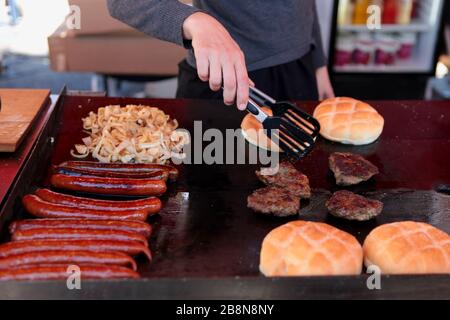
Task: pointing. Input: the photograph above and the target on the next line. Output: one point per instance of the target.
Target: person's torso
(268, 31)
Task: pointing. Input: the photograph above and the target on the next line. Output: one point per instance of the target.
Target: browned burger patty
(350, 206)
(288, 177)
(350, 169)
(274, 201)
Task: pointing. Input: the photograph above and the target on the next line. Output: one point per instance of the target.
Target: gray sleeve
(319, 59)
(162, 19)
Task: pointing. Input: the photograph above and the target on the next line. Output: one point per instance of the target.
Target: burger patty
(350, 206)
(287, 177)
(350, 169)
(274, 201)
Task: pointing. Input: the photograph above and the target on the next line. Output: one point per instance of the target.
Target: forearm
(162, 19)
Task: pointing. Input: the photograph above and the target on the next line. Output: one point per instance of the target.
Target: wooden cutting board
(19, 109)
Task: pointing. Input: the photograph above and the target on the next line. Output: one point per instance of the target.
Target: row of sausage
(101, 237)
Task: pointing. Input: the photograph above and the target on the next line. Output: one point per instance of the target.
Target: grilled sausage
(109, 186)
(68, 257)
(60, 272)
(155, 175)
(138, 227)
(120, 167)
(77, 234)
(151, 205)
(43, 209)
(132, 248)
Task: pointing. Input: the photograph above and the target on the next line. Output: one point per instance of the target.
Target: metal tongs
(292, 129)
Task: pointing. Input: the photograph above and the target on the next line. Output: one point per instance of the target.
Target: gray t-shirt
(269, 32)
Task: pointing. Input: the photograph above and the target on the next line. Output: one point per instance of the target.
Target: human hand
(324, 86)
(219, 58)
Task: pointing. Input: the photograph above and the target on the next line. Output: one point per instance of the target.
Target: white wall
(40, 19)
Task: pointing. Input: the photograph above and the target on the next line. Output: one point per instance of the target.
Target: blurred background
(50, 43)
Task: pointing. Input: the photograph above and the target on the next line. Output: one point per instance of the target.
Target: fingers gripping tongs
(292, 129)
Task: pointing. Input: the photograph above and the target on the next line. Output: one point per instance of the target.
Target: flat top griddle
(206, 237)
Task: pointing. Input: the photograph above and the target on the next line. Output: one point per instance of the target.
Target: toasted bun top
(349, 121)
(302, 248)
(253, 132)
(408, 248)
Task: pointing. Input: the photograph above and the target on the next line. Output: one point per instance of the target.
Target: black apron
(294, 80)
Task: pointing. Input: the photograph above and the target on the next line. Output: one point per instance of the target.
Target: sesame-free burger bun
(302, 248)
(349, 121)
(253, 132)
(408, 248)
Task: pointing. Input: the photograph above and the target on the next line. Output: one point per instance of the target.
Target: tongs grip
(256, 110)
(254, 107)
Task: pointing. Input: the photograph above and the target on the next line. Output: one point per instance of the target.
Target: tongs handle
(256, 110)
(261, 98)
